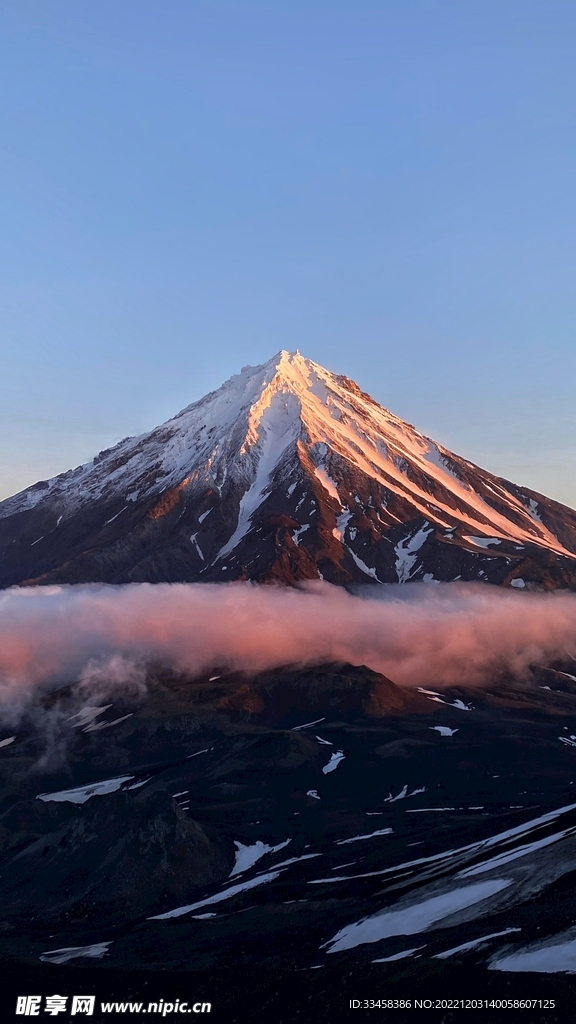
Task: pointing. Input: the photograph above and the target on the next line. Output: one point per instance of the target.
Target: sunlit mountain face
(287, 472)
(283, 841)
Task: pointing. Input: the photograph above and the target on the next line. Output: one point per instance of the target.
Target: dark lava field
(283, 845)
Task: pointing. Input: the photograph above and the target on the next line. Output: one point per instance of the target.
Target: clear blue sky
(389, 186)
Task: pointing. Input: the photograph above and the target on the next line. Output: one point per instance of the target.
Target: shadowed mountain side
(277, 698)
(107, 858)
(287, 472)
(265, 816)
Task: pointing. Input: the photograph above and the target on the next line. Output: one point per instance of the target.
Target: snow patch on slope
(67, 953)
(80, 794)
(341, 523)
(406, 552)
(218, 897)
(334, 761)
(298, 533)
(416, 918)
(327, 483)
(483, 542)
(197, 546)
(279, 427)
(362, 565)
(556, 958)
(435, 456)
(246, 856)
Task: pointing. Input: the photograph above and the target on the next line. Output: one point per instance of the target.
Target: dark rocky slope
(287, 472)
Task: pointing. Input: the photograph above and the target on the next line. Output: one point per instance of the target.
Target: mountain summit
(287, 472)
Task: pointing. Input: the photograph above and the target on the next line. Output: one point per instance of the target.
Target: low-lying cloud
(416, 635)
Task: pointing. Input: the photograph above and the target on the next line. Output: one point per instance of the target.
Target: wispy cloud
(415, 634)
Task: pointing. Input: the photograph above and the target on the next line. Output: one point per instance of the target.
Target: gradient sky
(188, 186)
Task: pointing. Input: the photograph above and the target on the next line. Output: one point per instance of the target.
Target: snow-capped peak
(288, 438)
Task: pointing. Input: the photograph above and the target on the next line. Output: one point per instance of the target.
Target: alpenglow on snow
(287, 472)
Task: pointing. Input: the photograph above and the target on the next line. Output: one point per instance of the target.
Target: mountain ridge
(286, 472)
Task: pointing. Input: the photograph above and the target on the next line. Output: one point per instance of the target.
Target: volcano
(167, 834)
(287, 472)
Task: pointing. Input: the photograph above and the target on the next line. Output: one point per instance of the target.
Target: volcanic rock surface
(287, 472)
(315, 818)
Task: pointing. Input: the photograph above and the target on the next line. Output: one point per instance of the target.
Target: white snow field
(409, 920)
